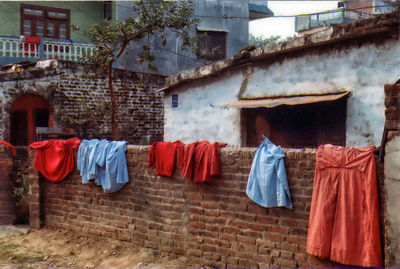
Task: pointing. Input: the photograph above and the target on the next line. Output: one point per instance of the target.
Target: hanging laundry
(84, 162)
(267, 184)
(105, 162)
(344, 214)
(31, 45)
(165, 155)
(202, 161)
(54, 159)
(8, 145)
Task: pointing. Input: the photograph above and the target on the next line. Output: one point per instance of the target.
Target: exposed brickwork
(7, 207)
(213, 224)
(69, 85)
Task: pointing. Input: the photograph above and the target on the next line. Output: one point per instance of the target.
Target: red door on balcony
(28, 112)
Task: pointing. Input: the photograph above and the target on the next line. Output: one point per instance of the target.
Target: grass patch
(9, 252)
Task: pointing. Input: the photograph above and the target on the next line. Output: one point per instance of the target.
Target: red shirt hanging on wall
(54, 159)
(202, 161)
(164, 155)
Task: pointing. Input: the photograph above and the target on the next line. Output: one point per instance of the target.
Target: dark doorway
(297, 126)
(19, 128)
(28, 112)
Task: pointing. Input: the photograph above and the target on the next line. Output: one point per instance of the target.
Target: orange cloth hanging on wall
(54, 159)
(8, 145)
(344, 215)
(165, 155)
(202, 161)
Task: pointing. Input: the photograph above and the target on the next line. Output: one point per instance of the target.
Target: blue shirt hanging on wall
(267, 184)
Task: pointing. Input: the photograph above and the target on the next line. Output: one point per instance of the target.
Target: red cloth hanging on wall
(165, 155)
(202, 161)
(54, 159)
(344, 215)
(8, 145)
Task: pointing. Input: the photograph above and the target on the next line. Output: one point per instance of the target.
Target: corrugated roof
(285, 100)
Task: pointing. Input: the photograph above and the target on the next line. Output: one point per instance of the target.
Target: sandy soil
(48, 248)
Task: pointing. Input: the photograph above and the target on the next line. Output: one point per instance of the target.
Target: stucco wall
(171, 59)
(392, 186)
(196, 119)
(363, 70)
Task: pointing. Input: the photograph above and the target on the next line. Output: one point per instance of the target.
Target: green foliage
(149, 18)
(260, 41)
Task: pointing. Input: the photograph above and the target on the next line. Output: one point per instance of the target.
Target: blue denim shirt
(267, 184)
(112, 163)
(83, 160)
(105, 162)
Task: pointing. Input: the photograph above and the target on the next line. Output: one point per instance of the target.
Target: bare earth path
(46, 248)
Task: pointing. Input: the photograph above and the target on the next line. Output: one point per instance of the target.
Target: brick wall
(213, 224)
(68, 86)
(7, 207)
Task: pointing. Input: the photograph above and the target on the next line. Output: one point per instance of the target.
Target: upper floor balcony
(16, 49)
(304, 23)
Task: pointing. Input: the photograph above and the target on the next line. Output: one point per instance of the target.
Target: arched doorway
(28, 112)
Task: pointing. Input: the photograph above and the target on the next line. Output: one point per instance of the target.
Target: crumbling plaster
(361, 70)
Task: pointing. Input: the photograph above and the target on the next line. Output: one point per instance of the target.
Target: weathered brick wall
(7, 207)
(69, 86)
(213, 224)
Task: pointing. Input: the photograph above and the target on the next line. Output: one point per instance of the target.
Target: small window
(56, 15)
(214, 43)
(107, 10)
(297, 126)
(27, 27)
(34, 12)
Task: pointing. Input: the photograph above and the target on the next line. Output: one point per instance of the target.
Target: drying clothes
(267, 184)
(165, 155)
(54, 159)
(30, 42)
(105, 162)
(84, 162)
(344, 214)
(8, 145)
(202, 161)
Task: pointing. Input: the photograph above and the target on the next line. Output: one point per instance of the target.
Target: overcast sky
(285, 26)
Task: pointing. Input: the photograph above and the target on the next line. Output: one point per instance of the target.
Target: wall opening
(297, 126)
(28, 112)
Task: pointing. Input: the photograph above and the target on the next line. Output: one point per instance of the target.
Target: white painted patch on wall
(197, 119)
(362, 70)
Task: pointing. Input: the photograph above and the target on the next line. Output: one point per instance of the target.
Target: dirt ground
(46, 248)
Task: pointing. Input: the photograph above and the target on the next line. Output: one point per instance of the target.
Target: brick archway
(28, 111)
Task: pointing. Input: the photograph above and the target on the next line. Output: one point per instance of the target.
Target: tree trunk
(114, 118)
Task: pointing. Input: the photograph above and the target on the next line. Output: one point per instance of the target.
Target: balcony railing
(14, 47)
(305, 22)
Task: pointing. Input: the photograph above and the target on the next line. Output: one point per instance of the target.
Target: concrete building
(34, 30)
(225, 23)
(323, 88)
(348, 11)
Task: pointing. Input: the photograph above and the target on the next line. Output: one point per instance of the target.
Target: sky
(285, 26)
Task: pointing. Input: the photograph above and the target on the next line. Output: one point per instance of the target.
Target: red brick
(246, 239)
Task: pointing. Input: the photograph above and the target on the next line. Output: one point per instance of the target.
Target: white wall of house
(362, 70)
